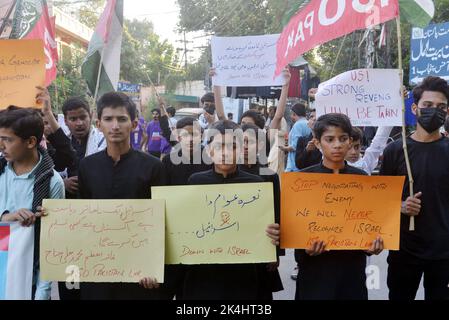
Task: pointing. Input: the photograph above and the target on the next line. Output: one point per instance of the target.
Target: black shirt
(179, 174)
(60, 150)
(272, 279)
(80, 150)
(222, 281)
(430, 171)
(304, 158)
(130, 178)
(337, 274)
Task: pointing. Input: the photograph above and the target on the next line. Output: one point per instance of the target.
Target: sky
(164, 15)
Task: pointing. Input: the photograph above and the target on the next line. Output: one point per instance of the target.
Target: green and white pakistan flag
(106, 41)
(417, 12)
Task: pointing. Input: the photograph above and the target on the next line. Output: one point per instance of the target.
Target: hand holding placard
(340, 212)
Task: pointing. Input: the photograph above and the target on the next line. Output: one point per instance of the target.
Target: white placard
(245, 61)
(369, 97)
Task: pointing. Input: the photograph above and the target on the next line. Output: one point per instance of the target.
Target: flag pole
(404, 138)
(157, 95)
(7, 16)
(99, 73)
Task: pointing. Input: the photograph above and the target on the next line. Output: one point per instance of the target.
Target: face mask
(431, 119)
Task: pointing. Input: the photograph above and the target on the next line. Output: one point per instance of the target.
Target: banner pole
(404, 138)
(7, 16)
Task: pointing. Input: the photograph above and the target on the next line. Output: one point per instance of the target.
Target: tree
(90, 11)
(145, 55)
(69, 82)
(239, 17)
(236, 17)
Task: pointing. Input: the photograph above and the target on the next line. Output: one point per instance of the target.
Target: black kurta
(222, 281)
(60, 150)
(304, 158)
(177, 175)
(132, 177)
(332, 275)
(271, 280)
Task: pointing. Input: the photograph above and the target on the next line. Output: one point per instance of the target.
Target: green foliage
(68, 82)
(145, 55)
(90, 11)
(241, 17)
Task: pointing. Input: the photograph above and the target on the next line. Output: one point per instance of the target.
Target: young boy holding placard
(26, 178)
(227, 281)
(119, 172)
(332, 275)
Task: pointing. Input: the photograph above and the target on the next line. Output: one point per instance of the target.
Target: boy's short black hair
(171, 111)
(25, 123)
(431, 84)
(221, 127)
(357, 134)
(116, 100)
(208, 97)
(185, 122)
(299, 109)
(254, 128)
(332, 120)
(256, 116)
(156, 110)
(73, 104)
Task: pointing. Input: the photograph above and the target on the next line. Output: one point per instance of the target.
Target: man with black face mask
(424, 251)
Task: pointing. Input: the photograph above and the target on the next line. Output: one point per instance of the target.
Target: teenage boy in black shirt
(188, 156)
(269, 273)
(119, 172)
(229, 281)
(426, 249)
(339, 274)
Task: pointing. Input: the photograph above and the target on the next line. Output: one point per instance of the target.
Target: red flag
(45, 29)
(325, 20)
(32, 21)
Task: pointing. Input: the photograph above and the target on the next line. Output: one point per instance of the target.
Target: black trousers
(405, 272)
(68, 294)
(333, 275)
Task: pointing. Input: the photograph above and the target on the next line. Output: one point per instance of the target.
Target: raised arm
(376, 148)
(163, 121)
(280, 110)
(219, 108)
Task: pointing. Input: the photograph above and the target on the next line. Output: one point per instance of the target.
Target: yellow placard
(102, 240)
(223, 223)
(22, 68)
(347, 212)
